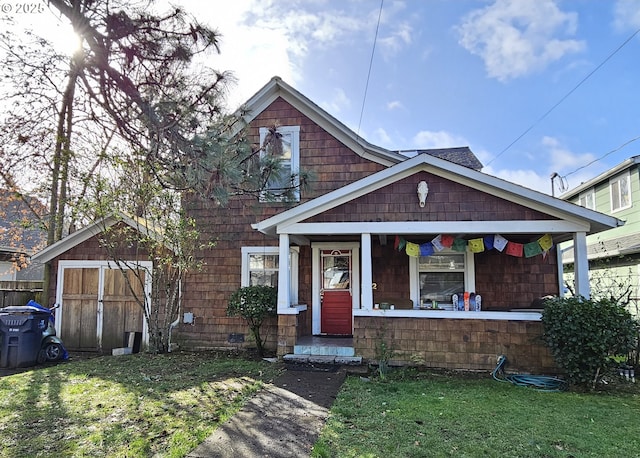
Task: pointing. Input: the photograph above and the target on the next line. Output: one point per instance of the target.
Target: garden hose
(539, 382)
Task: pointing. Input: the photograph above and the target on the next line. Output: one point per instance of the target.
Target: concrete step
(323, 359)
(323, 350)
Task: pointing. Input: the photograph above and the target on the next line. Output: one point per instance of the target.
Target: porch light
(423, 190)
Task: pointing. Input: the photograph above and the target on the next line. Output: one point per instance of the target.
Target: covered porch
(355, 229)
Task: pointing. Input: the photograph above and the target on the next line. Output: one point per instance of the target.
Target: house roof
(619, 246)
(461, 155)
(590, 219)
(276, 87)
(634, 160)
(20, 229)
(76, 238)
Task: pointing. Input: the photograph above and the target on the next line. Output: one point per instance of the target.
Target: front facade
(614, 255)
(379, 247)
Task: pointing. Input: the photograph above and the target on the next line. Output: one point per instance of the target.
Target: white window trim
(591, 192)
(273, 250)
(469, 276)
(626, 175)
(295, 152)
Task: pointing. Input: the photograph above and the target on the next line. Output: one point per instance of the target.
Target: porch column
(581, 264)
(366, 301)
(284, 299)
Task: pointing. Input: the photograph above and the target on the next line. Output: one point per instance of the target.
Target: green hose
(539, 382)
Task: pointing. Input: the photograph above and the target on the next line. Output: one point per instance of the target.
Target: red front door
(336, 303)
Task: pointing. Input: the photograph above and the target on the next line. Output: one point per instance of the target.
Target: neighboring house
(614, 255)
(369, 231)
(21, 235)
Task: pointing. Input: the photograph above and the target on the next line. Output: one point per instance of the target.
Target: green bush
(254, 304)
(585, 335)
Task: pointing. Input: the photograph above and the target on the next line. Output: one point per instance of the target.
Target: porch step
(323, 359)
(323, 350)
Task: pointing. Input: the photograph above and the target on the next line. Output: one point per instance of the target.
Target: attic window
(282, 144)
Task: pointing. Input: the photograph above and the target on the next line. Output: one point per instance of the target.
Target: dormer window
(282, 143)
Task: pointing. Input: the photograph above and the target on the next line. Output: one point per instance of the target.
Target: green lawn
(142, 405)
(127, 406)
(434, 415)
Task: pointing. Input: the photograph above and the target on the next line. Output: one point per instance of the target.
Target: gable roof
(76, 238)
(276, 87)
(544, 203)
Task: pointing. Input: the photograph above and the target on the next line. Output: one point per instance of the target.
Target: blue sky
(453, 73)
(477, 73)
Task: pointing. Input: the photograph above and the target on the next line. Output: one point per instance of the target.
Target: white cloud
(426, 139)
(518, 37)
(626, 15)
(562, 159)
(527, 178)
(399, 37)
(339, 100)
(394, 105)
(382, 138)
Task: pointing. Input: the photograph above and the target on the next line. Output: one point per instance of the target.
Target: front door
(336, 293)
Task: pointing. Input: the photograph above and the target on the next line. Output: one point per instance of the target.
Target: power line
(565, 97)
(602, 157)
(366, 86)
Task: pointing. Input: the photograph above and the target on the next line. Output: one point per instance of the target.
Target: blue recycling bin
(21, 329)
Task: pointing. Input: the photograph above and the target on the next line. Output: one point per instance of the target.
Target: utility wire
(602, 157)
(565, 97)
(366, 86)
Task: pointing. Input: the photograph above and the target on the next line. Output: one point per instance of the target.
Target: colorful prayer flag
(532, 249)
(437, 243)
(476, 245)
(446, 240)
(514, 249)
(546, 242)
(459, 245)
(499, 242)
(426, 249)
(412, 249)
(488, 242)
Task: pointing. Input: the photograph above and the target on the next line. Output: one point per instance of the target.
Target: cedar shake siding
(206, 293)
(447, 201)
(332, 163)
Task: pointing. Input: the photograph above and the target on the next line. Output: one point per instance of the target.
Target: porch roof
(571, 218)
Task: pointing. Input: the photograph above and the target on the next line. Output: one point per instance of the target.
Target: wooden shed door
(95, 320)
(80, 309)
(120, 311)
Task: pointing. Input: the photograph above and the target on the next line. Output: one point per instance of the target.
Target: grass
(413, 414)
(127, 406)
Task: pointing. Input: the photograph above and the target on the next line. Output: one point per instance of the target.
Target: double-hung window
(261, 266)
(441, 275)
(282, 144)
(620, 188)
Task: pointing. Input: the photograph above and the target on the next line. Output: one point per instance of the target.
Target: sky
(533, 87)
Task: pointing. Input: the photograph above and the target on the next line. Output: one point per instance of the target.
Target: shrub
(585, 335)
(254, 304)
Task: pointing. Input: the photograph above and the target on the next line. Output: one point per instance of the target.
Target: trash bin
(21, 328)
